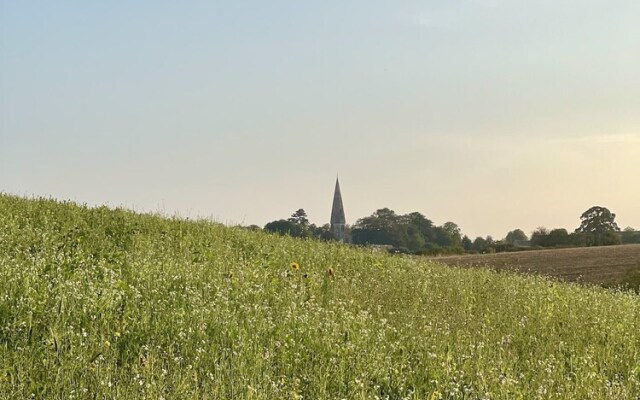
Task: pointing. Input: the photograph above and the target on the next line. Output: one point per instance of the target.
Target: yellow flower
(294, 266)
(331, 272)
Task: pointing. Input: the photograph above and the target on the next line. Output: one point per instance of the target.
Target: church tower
(338, 221)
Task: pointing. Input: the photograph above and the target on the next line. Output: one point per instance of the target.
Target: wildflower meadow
(97, 303)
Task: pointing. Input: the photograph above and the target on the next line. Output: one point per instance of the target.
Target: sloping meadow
(98, 303)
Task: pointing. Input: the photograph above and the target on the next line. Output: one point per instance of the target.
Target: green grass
(100, 304)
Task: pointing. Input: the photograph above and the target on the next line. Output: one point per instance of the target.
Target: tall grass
(99, 303)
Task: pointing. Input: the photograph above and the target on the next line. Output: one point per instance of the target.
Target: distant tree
(599, 223)
(322, 232)
(608, 239)
(540, 236)
(467, 244)
(558, 237)
(441, 238)
(447, 235)
(598, 220)
(541, 230)
(579, 239)
(412, 232)
(297, 226)
(285, 227)
(451, 228)
(254, 228)
(630, 235)
(516, 235)
(480, 244)
(299, 217)
(414, 240)
(453, 232)
(421, 224)
(502, 246)
(382, 227)
(491, 244)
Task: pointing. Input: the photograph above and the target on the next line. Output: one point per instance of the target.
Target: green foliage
(561, 238)
(298, 226)
(539, 236)
(632, 280)
(410, 233)
(484, 245)
(630, 235)
(467, 244)
(607, 239)
(448, 235)
(382, 227)
(516, 235)
(597, 220)
(299, 217)
(323, 232)
(102, 304)
(558, 237)
(600, 226)
(286, 227)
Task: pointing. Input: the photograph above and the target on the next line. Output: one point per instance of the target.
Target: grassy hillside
(96, 303)
(606, 265)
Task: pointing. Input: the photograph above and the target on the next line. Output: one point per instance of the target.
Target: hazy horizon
(490, 114)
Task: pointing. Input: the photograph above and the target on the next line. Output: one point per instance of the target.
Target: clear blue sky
(493, 114)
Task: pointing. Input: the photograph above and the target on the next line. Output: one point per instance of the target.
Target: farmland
(109, 304)
(607, 265)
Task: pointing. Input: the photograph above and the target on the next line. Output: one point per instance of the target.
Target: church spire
(338, 219)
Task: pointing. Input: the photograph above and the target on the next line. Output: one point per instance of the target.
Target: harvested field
(606, 265)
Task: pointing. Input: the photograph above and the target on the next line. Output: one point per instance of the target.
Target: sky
(493, 114)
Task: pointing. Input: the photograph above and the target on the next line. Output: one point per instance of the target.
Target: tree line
(415, 234)
(597, 228)
(298, 226)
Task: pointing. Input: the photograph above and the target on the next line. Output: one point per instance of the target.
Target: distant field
(606, 265)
